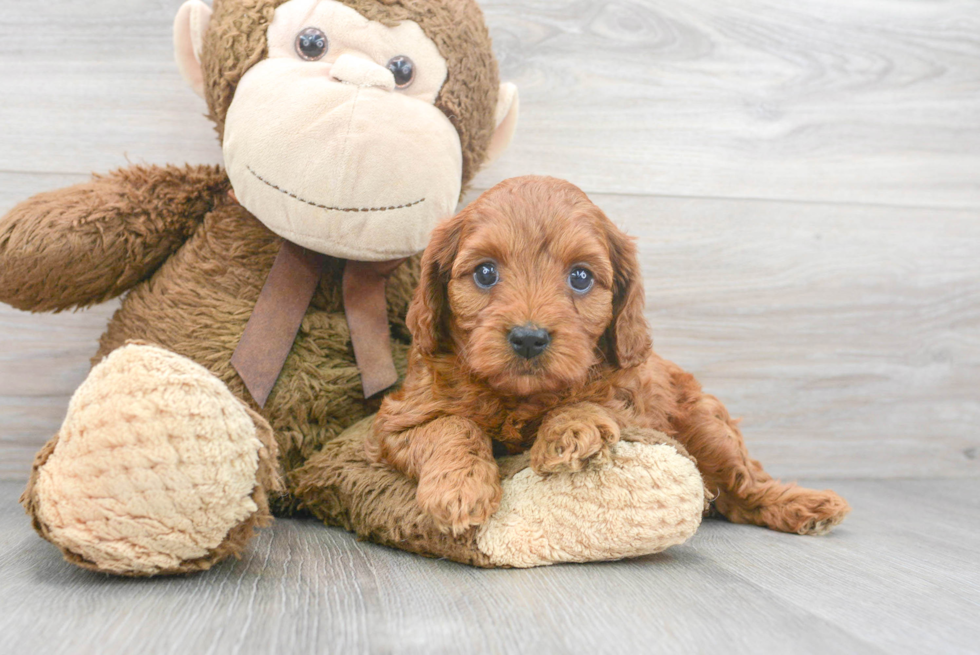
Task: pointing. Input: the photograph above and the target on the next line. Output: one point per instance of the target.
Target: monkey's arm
(87, 243)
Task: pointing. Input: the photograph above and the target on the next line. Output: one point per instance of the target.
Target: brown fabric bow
(282, 304)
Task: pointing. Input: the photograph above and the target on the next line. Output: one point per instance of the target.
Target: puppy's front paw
(571, 437)
(462, 497)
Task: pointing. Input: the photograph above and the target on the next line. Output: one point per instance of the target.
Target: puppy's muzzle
(528, 341)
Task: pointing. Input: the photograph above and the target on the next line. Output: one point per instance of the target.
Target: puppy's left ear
(628, 337)
(428, 315)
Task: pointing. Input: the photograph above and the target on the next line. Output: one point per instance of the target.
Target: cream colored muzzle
(341, 163)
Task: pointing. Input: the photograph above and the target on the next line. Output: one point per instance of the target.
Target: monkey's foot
(157, 469)
(644, 498)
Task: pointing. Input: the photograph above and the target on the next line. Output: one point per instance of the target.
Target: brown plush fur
(236, 41)
(199, 301)
(91, 242)
(194, 260)
(466, 387)
(83, 244)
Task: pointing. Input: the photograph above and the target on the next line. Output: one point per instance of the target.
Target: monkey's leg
(645, 497)
(746, 493)
(157, 469)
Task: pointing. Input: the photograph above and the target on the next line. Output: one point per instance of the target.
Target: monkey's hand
(571, 436)
(87, 243)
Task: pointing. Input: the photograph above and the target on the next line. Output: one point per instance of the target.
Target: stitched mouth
(328, 207)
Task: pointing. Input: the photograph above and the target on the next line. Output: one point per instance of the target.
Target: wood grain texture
(871, 101)
(899, 576)
(874, 101)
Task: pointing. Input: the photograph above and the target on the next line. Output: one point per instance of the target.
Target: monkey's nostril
(528, 341)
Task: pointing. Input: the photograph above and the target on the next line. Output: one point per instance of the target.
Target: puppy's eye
(485, 275)
(580, 279)
(403, 69)
(311, 44)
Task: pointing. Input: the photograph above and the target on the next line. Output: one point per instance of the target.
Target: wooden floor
(901, 575)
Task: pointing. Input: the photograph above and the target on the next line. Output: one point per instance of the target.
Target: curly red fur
(466, 387)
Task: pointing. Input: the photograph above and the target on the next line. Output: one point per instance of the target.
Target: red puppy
(528, 330)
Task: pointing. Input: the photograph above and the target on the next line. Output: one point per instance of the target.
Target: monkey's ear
(508, 107)
(189, 28)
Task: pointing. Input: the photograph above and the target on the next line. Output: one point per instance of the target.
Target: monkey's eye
(485, 275)
(403, 69)
(311, 44)
(580, 279)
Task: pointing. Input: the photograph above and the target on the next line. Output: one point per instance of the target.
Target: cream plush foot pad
(155, 464)
(644, 499)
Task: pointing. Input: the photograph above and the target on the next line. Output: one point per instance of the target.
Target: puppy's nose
(529, 341)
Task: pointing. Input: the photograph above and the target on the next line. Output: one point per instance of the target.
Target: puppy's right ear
(428, 315)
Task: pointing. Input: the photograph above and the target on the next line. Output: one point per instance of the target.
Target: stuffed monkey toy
(265, 304)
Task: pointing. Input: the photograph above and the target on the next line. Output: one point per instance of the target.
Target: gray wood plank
(847, 336)
(17, 186)
(104, 94)
(908, 543)
(873, 101)
(878, 584)
(870, 101)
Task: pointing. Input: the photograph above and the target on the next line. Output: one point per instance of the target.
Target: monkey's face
(333, 140)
